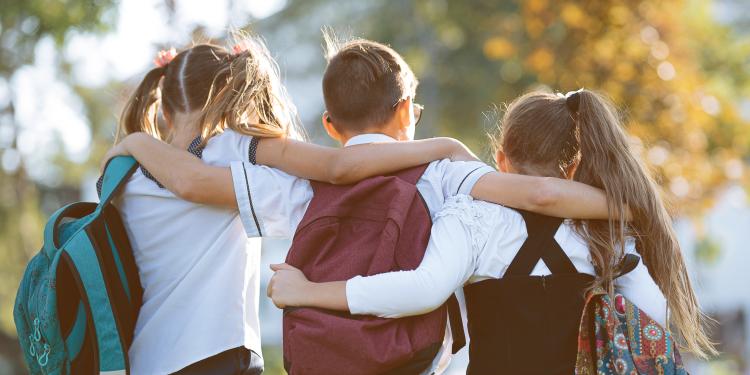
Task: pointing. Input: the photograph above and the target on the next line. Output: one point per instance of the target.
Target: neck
(539, 172)
(392, 131)
(185, 128)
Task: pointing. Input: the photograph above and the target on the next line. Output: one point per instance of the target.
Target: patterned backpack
(618, 338)
(79, 298)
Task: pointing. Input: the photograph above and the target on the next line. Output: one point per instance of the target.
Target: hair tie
(573, 100)
(164, 57)
(240, 47)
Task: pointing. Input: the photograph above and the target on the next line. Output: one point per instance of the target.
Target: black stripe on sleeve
(467, 176)
(250, 198)
(252, 151)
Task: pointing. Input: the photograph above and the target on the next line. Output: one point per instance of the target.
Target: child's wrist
(309, 294)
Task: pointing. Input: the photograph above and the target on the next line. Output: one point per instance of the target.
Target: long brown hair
(238, 89)
(545, 133)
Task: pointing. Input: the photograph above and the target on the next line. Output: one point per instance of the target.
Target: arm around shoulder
(182, 173)
(352, 164)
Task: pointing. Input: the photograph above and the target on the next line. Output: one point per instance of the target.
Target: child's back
(185, 253)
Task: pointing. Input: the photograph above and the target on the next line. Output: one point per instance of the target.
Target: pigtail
(607, 162)
(141, 110)
(247, 96)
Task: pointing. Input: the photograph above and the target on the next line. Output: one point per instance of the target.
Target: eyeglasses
(416, 107)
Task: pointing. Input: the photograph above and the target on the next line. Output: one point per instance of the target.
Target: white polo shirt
(199, 270)
(272, 203)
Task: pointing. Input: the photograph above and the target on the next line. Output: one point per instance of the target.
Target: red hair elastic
(164, 57)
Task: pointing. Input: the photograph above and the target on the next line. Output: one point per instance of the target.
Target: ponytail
(607, 162)
(251, 87)
(239, 89)
(141, 110)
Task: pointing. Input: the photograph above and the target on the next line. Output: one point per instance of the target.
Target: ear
(404, 115)
(330, 129)
(502, 161)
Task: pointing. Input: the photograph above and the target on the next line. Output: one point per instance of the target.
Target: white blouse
(199, 270)
(473, 241)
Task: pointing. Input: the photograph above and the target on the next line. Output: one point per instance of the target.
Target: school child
(524, 274)
(368, 91)
(199, 271)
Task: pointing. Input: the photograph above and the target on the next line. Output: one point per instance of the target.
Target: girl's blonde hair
(545, 133)
(237, 89)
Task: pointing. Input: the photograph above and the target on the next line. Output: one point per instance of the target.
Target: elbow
(427, 303)
(341, 173)
(548, 194)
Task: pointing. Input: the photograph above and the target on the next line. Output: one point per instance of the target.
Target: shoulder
(455, 177)
(468, 209)
(227, 146)
(446, 166)
(481, 219)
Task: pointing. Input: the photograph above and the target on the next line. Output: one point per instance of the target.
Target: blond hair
(236, 89)
(541, 131)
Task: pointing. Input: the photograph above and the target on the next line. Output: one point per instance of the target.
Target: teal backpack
(79, 298)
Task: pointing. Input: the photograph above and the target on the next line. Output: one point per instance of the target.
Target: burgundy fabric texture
(377, 225)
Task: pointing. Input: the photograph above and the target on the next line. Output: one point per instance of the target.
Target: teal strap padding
(49, 245)
(82, 253)
(116, 173)
(118, 264)
(74, 341)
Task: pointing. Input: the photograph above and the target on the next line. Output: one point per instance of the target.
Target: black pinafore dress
(522, 324)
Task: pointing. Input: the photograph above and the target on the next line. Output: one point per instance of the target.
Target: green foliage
(678, 75)
(22, 25)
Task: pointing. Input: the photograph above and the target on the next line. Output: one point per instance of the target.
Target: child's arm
(447, 264)
(190, 179)
(545, 195)
(289, 287)
(354, 163)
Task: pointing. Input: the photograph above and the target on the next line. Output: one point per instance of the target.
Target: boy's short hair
(362, 83)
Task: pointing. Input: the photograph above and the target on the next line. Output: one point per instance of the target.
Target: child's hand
(287, 286)
(461, 152)
(116, 150)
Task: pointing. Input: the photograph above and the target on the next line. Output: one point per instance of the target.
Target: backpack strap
(540, 244)
(628, 263)
(81, 257)
(116, 174)
(51, 229)
(456, 323)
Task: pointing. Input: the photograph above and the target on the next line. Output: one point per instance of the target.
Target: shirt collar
(368, 138)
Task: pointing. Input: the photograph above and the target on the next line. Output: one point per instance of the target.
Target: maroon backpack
(377, 225)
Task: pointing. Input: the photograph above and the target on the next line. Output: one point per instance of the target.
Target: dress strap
(540, 244)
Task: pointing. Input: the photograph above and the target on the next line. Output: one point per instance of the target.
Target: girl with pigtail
(525, 275)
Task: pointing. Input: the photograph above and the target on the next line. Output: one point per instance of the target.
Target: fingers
(282, 266)
(269, 289)
(270, 293)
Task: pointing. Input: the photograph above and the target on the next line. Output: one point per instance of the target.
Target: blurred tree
(22, 25)
(678, 74)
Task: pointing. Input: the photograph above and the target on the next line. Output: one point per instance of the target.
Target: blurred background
(679, 70)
